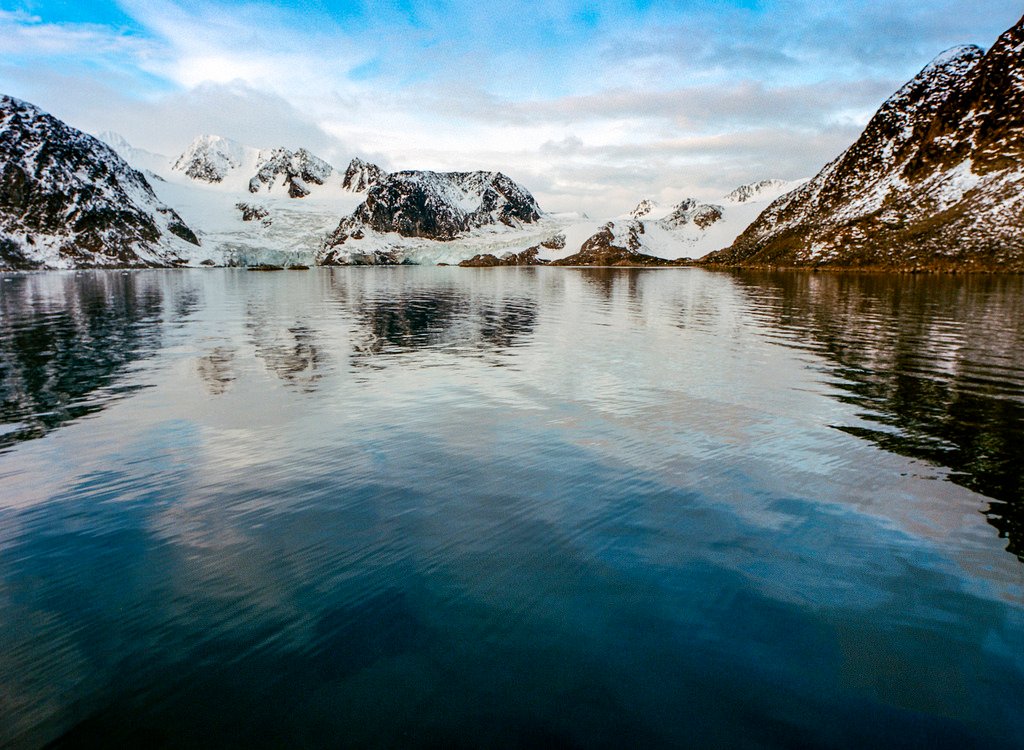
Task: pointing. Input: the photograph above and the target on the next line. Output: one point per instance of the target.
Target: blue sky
(592, 105)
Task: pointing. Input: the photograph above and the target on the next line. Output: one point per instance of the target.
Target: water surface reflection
(511, 507)
(934, 364)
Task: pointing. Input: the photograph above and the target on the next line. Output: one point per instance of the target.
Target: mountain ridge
(935, 180)
(67, 199)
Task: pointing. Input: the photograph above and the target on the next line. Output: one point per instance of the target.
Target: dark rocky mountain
(68, 200)
(438, 206)
(360, 176)
(935, 181)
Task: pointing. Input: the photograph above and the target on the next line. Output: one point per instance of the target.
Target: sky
(591, 105)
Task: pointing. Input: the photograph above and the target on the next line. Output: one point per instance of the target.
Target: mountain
(210, 158)
(756, 191)
(69, 200)
(295, 170)
(360, 176)
(147, 162)
(936, 180)
(429, 206)
(213, 159)
(616, 245)
(684, 230)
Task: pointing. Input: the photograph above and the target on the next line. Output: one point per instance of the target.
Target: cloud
(596, 103)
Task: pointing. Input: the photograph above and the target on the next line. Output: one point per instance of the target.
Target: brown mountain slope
(935, 181)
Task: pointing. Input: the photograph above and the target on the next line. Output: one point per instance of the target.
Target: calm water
(511, 507)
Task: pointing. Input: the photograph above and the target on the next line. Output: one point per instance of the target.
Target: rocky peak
(702, 215)
(361, 176)
(209, 158)
(296, 170)
(643, 208)
(745, 193)
(67, 199)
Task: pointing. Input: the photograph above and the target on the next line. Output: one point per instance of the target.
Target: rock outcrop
(616, 245)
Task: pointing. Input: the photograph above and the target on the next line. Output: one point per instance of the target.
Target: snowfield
(211, 182)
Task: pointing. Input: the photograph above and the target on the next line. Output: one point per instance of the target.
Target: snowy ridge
(215, 160)
(69, 200)
(687, 229)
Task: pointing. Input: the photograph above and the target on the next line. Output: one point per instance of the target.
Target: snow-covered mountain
(935, 180)
(684, 230)
(213, 159)
(69, 200)
(433, 206)
(149, 163)
(292, 170)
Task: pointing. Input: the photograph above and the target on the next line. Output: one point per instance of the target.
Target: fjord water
(511, 507)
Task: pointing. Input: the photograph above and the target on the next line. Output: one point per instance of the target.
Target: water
(511, 507)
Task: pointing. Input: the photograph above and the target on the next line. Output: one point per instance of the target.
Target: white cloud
(589, 118)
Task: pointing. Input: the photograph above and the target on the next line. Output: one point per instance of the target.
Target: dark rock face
(68, 200)
(935, 181)
(360, 176)
(527, 257)
(607, 249)
(439, 206)
(298, 170)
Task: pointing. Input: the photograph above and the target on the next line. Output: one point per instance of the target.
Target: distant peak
(643, 208)
(111, 138)
(360, 176)
(752, 190)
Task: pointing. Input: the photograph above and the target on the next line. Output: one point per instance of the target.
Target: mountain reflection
(291, 353)
(216, 369)
(934, 362)
(65, 341)
(607, 280)
(412, 320)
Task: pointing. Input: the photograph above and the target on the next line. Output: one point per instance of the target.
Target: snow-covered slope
(280, 230)
(147, 162)
(687, 229)
(935, 180)
(69, 200)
